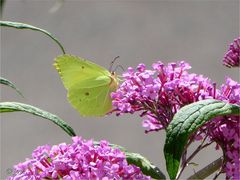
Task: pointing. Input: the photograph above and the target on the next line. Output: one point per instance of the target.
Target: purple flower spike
(79, 160)
(232, 57)
(160, 93)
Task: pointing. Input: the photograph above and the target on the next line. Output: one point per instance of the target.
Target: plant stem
(208, 170)
(185, 163)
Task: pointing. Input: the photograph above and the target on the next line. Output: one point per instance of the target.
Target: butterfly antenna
(119, 66)
(110, 68)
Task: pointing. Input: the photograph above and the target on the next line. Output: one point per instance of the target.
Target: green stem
(199, 148)
(208, 170)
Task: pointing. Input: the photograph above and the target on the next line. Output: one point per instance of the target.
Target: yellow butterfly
(89, 85)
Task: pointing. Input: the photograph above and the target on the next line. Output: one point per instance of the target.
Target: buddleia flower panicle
(158, 94)
(232, 57)
(79, 160)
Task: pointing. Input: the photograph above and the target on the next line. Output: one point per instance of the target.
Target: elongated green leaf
(143, 163)
(19, 25)
(15, 106)
(10, 84)
(187, 121)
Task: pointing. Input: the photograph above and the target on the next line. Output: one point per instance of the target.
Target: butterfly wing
(73, 69)
(89, 85)
(89, 100)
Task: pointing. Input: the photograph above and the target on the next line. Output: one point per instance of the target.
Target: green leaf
(10, 84)
(145, 165)
(15, 106)
(193, 164)
(187, 121)
(19, 25)
(138, 160)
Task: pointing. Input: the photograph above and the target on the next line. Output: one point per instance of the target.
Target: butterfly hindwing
(91, 100)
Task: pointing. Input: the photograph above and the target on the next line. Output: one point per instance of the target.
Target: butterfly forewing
(73, 69)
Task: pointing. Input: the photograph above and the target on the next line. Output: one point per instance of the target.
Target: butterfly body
(89, 85)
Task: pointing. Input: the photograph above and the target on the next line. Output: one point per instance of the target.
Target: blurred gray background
(197, 31)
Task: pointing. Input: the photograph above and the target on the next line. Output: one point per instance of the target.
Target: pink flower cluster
(232, 57)
(226, 130)
(159, 93)
(79, 160)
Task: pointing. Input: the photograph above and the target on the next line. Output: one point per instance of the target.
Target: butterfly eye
(82, 67)
(87, 93)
